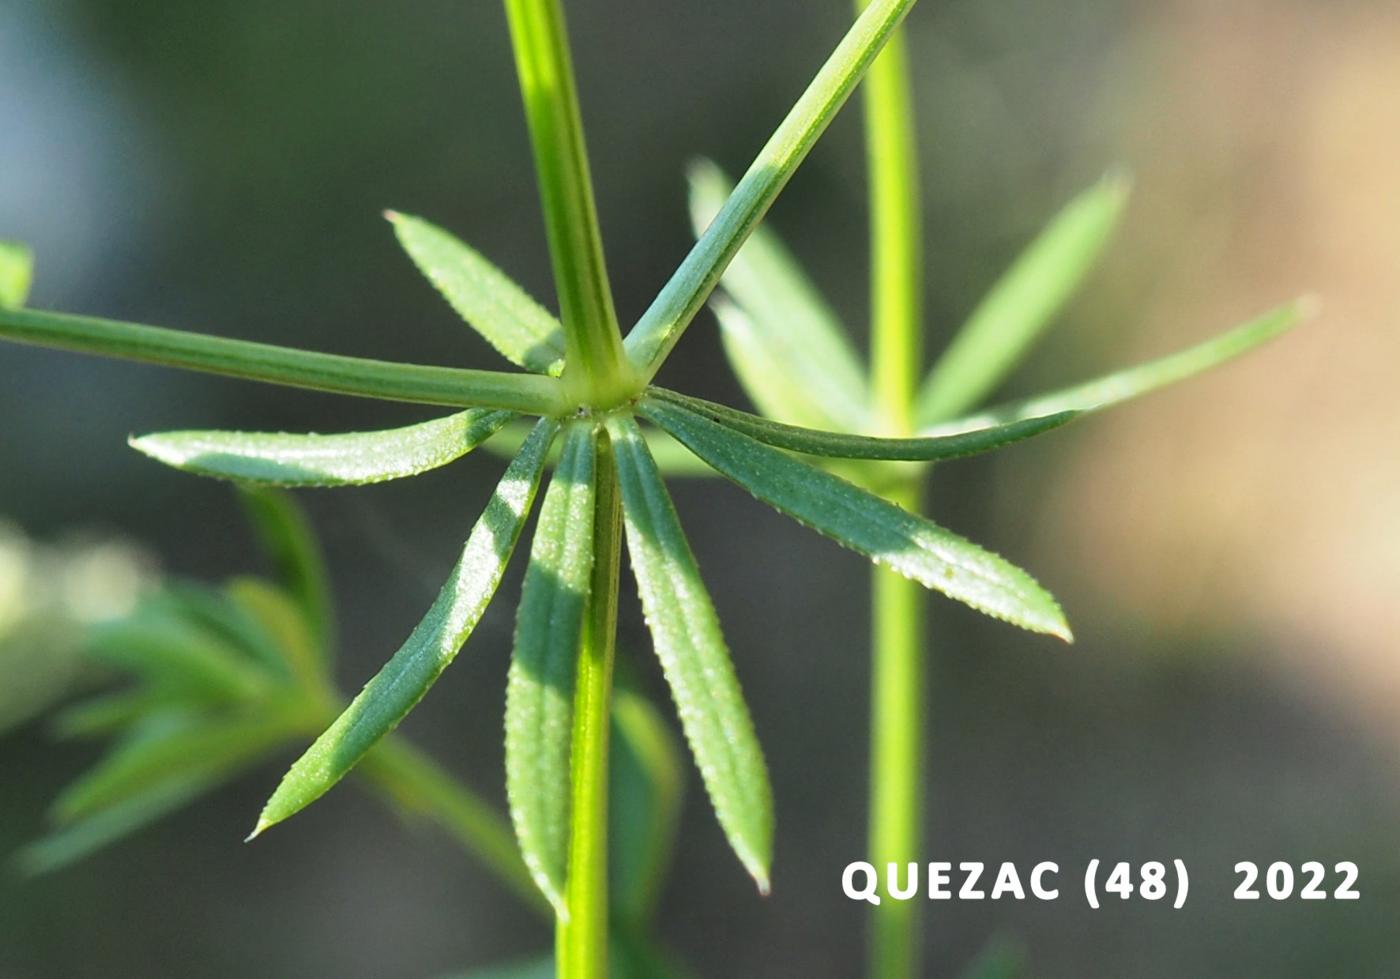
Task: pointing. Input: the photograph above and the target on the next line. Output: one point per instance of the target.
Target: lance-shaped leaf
(522, 330)
(646, 781)
(540, 689)
(172, 653)
(358, 376)
(354, 459)
(1111, 389)
(16, 273)
(74, 842)
(404, 680)
(693, 654)
(790, 353)
(1023, 302)
(208, 750)
(289, 542)
(675, 306)
(889, 536)
(843, 446)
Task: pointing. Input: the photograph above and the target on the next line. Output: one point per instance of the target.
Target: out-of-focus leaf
(523, 331)
(787, 348)
(1001, 959)
(281, 617)
(105, 714)
(1120, 386)
(539, 692)
(645, 785)
(694, 657)
(287, 538)
(16, 273)
(72, 843)
(174, 654)
(661, 326)
(843, 446)
(869, 525)
(671, 458)
(354, 459)
(212, 611)
(1000, 331)
(404, 680)
(199, 749)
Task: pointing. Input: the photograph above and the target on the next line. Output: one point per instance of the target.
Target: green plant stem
(415, 782)
(594, 362)
(897, 640)
(583, 938)
(283, 365)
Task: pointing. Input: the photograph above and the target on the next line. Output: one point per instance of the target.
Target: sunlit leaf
(685, 293)
(16, 273)
(869, 525)
(539, 693)
(357, 458)
(287, 539)
(404, 680)
(843, 446)
(1120, 386)
(693, 654)
(792, 356)
(522, 330)
(1000, 331)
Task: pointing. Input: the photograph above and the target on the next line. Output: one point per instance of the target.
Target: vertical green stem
(582, 950)
(897, 681)
(595, 364)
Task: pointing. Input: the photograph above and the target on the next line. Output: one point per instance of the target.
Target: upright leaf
(686, 632)
(358, 458)
(404, 680)
(287, 539)
(1023, 302)
(1111, 389)
(16, 273)
(522, 330)
(889, 536)
(792, 356)
(675, 306)
(843, 446)
(539, 693)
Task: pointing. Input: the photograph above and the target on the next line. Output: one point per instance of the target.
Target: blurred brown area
(1227, 551)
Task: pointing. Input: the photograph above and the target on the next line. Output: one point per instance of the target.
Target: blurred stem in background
(897, 637)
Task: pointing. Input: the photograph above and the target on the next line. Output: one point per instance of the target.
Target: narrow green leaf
(693, 654)
(792, 356)
(288, 540)
(1012, 316)
(16, 273)
(214, 612)
(1111, 389)
(661, 326)
(672, 458)
(70, 844)
(522, 330)
(171, 653)
(539, 693)
(281, 619)
(646, 783)
(205, 749)
(842, 446)
(404, 680)
(357, 458)
(358, 376)
(888, 535)
(103, 715)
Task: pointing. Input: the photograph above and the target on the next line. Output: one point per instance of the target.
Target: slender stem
(583, 938)
(413, 781)
(284, 365)
(594, 359)
(897, 680)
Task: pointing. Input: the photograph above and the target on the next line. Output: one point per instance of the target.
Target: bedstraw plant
(590, 391)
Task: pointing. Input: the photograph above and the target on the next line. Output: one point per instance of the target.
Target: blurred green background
(1228, 552)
